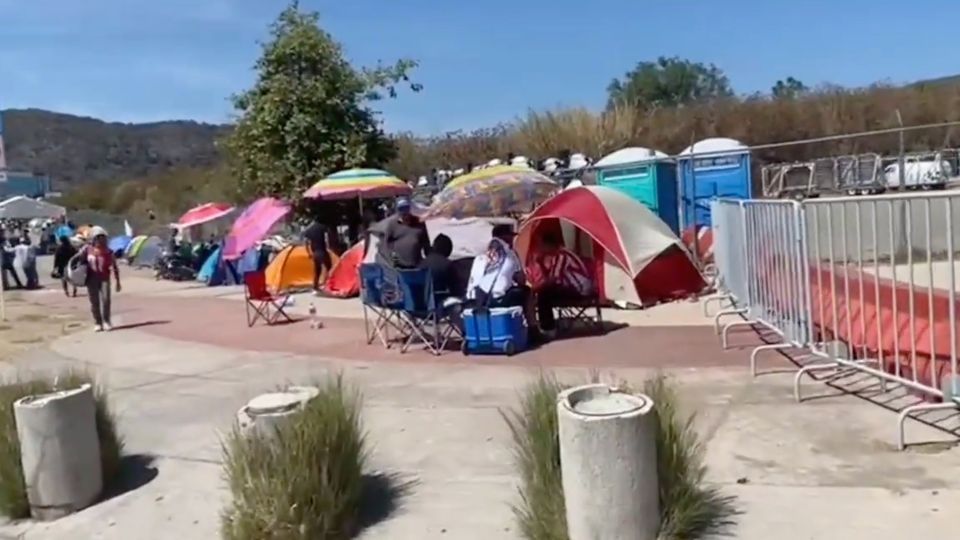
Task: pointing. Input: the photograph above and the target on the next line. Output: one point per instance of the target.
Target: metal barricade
(883, 283)
(776, 275)
(729, 243)
(865, 284)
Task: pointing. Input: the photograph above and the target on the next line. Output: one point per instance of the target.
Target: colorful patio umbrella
(253, 225)
(203, 214)
(363, 183)
(493, 192)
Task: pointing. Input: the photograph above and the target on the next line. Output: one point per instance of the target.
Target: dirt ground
(28, 325)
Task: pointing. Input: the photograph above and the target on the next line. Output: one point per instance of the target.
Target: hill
(939, 81)
(75, 150)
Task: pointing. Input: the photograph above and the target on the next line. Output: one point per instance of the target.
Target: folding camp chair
(379, 297)
(584, 313)
(426, 319)
(261, 303)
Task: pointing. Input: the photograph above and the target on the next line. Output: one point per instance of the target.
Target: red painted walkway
(222, 323)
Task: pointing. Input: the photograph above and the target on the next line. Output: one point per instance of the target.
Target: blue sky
(481, 62)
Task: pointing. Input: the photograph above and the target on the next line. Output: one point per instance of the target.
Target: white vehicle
(918, 173)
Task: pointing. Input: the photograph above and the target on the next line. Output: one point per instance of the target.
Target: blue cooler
(494, 330)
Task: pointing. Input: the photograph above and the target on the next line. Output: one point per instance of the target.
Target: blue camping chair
(382, 305)
(425, 318)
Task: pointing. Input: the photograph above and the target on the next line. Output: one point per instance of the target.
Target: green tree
(308, 113)
(668, 82)
(788, 89)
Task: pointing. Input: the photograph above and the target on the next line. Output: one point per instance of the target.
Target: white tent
(26, 208)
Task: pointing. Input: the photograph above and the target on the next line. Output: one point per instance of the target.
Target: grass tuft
(306, 482)
(536, 448)
(13, 491)
(689, 508)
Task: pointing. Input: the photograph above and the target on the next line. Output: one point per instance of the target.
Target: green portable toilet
(645, 175)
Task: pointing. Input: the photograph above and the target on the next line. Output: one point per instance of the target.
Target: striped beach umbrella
(497, 191)
(364, 183)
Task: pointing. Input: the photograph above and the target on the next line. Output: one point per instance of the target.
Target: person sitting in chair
(497, 279)
(557, 276)
(438, 261)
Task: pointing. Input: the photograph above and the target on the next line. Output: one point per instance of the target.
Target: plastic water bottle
(315, 322)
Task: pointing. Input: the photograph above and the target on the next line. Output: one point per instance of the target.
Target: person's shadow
(136, 471)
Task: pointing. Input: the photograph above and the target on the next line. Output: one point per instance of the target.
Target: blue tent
(250, 261)
(216, 271)
(119, 243)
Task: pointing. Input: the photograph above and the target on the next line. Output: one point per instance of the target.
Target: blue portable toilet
(645, 175)
(723, 173)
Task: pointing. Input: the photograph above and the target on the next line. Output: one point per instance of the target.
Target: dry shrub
(304, 483)
(13, 492)
(689, 508)
(754, 120)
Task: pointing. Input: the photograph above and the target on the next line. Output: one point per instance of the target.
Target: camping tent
(636, 257)
(216, 270)
(21, 207)
(292, 269)
(134, 247)
(118, 244)
(146, 253)
(344, 278)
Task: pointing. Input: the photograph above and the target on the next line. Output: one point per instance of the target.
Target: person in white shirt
(493, 274)
(497, 280)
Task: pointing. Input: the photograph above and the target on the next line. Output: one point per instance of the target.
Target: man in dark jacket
(61, 258)
(316, 241)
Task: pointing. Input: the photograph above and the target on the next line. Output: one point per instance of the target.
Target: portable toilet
(646, 175)
(724, 172)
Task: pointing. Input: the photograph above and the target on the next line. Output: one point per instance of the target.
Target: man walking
(316, 237)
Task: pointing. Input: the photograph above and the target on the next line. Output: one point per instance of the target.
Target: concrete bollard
(608, 459)
(59, 451)
(264, 413)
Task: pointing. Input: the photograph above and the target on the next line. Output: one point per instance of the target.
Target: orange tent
(344, 280)
(292, 269)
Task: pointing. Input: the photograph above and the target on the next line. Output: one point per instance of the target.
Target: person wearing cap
(406, 240)
(101, 263)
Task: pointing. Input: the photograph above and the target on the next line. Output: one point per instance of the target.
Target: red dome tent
(635, 256)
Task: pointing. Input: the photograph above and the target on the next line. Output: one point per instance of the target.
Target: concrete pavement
(823, 469)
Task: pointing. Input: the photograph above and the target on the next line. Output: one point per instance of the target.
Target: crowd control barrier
(865, 284)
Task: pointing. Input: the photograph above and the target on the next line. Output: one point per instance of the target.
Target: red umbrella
(203, 213)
